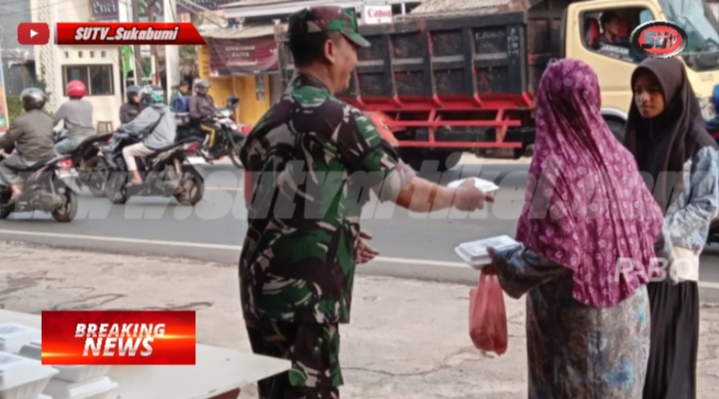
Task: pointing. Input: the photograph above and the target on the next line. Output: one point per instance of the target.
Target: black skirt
(671, 372)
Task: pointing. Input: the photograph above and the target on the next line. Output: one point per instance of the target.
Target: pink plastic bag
(487, 315)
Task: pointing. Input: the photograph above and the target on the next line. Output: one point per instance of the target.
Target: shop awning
(239, 52)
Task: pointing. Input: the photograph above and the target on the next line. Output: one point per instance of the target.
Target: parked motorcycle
(228, 139)
(90, 165)
(45, 189)
(168, 172)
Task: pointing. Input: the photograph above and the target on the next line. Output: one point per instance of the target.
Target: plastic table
(218, 374)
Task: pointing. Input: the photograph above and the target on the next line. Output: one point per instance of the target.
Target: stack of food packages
(22, 375)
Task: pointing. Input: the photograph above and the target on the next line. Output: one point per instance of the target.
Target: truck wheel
(412, 157)
(447, 159)
(617, 128)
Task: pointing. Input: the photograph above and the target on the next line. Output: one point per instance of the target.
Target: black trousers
(672, 369)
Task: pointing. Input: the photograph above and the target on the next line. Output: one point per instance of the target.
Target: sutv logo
(659, 39)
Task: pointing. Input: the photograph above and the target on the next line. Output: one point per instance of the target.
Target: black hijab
(666, 142)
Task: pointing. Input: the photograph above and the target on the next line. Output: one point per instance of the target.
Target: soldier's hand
(364, 253)
(467, 197)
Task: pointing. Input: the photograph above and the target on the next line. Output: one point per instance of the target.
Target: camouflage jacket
(313, 160)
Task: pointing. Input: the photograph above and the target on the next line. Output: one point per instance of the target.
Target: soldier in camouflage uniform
(313, 160)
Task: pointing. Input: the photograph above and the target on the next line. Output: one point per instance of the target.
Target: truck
(440, 85)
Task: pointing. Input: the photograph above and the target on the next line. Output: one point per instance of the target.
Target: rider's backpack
(181, 104)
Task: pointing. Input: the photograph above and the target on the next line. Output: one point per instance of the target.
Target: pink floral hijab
(586, 205)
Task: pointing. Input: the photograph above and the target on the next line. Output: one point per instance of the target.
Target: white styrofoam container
(67, 373)
(475, 253)
(97, 388)
(41, 396)
(14, 335)
(22, 378)
(485, 185)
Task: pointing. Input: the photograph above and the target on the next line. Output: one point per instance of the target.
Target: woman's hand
(364, 253)
(490, 269)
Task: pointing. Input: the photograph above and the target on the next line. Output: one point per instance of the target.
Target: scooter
(45, 189)
(228, 139)
(168, 172)
(89, 163)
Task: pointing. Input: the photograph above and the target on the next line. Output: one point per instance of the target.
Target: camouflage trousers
(313, 350)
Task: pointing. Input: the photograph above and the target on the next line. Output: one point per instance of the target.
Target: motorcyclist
(155, 125)
(202, 111)
(712, 125)
(133, 106)
(31, 135)
(76, 116)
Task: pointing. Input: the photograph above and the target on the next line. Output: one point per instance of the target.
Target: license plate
(65, 174)
(196, 160)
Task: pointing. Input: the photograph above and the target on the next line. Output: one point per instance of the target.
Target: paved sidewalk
(407, 340)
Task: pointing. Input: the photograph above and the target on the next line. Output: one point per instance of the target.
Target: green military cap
(326, 19)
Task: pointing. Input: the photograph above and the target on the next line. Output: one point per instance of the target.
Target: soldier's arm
(365, 151)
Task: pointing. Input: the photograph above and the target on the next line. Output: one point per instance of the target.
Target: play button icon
(33, 33)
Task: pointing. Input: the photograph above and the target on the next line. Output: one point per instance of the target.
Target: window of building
(607, 31)
(408, 7)
(97, 78)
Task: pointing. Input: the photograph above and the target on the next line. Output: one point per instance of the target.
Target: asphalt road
(411, 245)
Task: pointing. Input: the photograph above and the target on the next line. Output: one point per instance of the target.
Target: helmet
(201, 85)
(76, 89)
(153, 94)
(33, 98)
(132, 91)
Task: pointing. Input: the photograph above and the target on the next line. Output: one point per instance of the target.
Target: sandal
(133, 184)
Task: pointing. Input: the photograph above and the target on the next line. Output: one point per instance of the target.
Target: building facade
(96, 66)
(242, 62)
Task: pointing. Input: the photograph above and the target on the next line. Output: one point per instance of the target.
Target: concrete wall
(51, 59)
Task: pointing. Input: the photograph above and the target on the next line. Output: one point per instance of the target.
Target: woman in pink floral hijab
(589, 229)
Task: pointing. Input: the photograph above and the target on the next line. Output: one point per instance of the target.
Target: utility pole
(138, 74)
(155, 56)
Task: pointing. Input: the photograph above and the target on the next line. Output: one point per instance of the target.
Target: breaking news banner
(118, 337)
(127, 33)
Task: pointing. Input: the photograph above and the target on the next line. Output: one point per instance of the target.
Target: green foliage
(14, 108)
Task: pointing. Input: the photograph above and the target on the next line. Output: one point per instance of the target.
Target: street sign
(376, 14)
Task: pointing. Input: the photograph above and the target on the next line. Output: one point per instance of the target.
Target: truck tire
(412, 157)
(617, 128)
(447, 159)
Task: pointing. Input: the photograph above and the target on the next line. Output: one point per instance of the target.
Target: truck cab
(586, 39)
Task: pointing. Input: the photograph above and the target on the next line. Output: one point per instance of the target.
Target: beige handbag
(685, 266)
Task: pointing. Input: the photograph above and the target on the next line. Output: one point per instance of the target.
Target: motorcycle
(168, 172)
(89, 163)
(45, 189)
(228, 139)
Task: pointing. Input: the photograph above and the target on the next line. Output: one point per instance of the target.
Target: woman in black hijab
(666, 134)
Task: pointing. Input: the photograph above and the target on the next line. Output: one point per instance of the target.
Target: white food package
(474, 253)
(485, 185)
(22, 378)
(80, 373)
(14, 335)
(97, 388)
